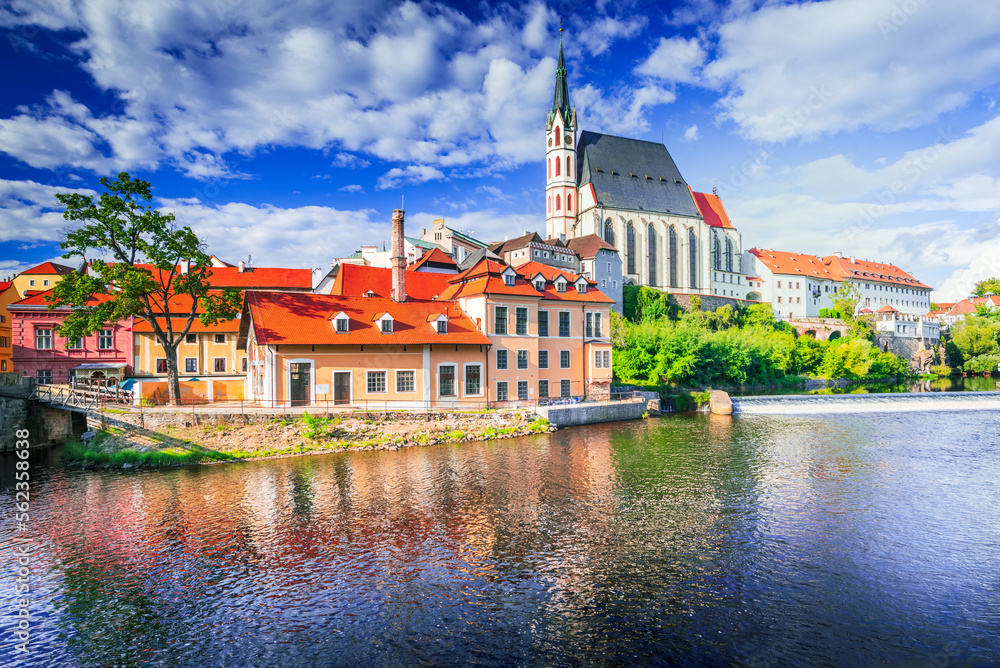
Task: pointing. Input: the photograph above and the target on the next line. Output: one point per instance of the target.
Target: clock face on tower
(568, 139)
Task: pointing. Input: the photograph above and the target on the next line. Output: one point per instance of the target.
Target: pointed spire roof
(560, 99)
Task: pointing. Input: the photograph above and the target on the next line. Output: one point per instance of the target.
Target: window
(569, 166)
(563, 359)
(31, 282)
(598, 359)
(543, 323)
(522, 359)
(3, 365)
(543, 389)
(406, 381)
(387, 325)
(502, 391)
(693, 257)
(220, 338)
(630, 248)
(558, 135)
(543, 359)
(521, 320)
(564, 388)
(72, 344)
(161, 365)
(651, 243)
(508, 279)
(43, 339)
(581, 288)
(43, 376)
(569, 198)
(597, 325)
(609, 234)
(190, 364)
(219, 364)
(105, 339)
(473, 380)
(672, 247)
(779, 300)
(779, 284)
(500, 320)
(729, 254)
(442, 326)
(191, 338)
(375, 382)
(342, 325)
(716, 253)
(607, 359)
(522, 390)
(501, 358)
(45, 282)
(446, 380)
(243, 364)
(563, 323)
(590, 325)
(560, 285)
(540, 284)
(558, 173)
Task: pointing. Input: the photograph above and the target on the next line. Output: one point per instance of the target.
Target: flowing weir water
(866, 403)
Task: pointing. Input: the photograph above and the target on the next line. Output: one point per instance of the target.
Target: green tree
(143, 277)
(987, 285)
(976, 336)
(848, 302)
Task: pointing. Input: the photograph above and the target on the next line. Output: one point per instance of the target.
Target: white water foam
(867, 403)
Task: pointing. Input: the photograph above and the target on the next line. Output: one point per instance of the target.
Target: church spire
(560, 99)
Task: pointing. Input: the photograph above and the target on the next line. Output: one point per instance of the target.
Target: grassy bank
(288, 437)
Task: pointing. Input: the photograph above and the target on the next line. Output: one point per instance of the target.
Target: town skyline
(294, 140)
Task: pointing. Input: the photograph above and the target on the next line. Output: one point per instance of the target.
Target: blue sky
(290, 130)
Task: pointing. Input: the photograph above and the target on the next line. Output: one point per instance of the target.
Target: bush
(982, 364)
(941, 370)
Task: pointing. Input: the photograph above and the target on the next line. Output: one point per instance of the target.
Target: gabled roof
(436, 257)
(711, 209)
(588, 246)
(37, 299)
(49, 268)
(256, 278)
(795, 264)
(177, 325)
(426, 245)
(865, 270)
(888, 309)
(4, 285)
(355, 280)
(555, 242)
(303, 319)
(475, 257)
(518, 242)
(609, 163)
(551, 274)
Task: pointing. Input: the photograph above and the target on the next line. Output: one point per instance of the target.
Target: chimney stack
(185, 265)
(398, 258)
(242, 266)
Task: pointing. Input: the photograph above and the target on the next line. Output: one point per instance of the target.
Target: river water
(755, 540)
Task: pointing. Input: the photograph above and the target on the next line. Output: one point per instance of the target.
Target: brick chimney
(398, 258)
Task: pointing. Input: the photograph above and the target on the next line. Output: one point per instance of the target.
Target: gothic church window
(558, 135)
(569, 203)
(729, 254)
(651, 235)
(568, 166)
(693, 254)
(672, 242)
(630, 247)
(716, 253)
(557, 202)
(558, 162)
(609, 232)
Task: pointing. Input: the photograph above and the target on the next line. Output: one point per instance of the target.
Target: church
(631, 194)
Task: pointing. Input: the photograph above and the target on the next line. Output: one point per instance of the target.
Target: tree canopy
(987, 285)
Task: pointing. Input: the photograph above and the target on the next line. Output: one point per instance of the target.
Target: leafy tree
(847, 303)
(143, 278)
(987, 285)
(976, 336)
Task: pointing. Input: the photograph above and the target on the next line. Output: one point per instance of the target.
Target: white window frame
(527, 359)
(561, 381)
(482, 377)
(385, 373)
(312, 378)
(215, 339)
(396, 378)
(191, 359)
(50, 336)
(506, 386)
(437, 384)
(216, 359)
(569, 359)
(110, 338)
(547, 358)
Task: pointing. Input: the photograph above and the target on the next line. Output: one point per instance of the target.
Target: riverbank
(126, 446)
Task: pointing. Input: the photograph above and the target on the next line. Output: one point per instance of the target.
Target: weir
(866, 403)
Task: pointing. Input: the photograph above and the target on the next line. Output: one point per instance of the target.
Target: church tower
(560, 158)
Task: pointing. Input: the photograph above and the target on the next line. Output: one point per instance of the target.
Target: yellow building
(39, 279)
(8, 295)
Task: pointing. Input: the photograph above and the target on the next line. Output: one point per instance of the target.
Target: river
(692, 539)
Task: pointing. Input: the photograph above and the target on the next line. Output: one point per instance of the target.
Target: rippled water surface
(754, 540)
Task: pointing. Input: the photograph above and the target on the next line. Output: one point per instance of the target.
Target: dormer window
(560, 285)
(439, 322)
(581, 287)
(508, 279)
(385, 323)
(540, 285)
(341, 323)
(442, 326)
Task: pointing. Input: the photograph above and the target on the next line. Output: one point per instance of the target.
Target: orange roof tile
(711, 209)
(304, 319)
(587, 246)
(49, 268)
(861, 270)
(355, 280)
(437, 256)
(196, 326)
(257, 278)
(37, 299)
(888, 308)
(796, 264)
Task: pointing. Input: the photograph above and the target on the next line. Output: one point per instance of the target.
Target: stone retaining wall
(579, 414)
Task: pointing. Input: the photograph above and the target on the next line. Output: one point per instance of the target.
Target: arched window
(729, 254)
(569, 203)
(630, 248)
(557, 203)
(609, 232)
(716, 252)
(569, 166)
(558, 135)
(651, 238)
(693, 255)
(672, 246)
(550, 168)
(558, 162)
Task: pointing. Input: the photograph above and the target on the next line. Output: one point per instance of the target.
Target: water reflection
(692, 539)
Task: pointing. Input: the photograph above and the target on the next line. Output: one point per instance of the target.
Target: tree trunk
(173, 376)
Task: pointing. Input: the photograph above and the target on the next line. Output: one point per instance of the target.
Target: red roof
(796, 264)
(711, 209)
(437, 256)
(888, 309)
(861, 270)
(486, 277)
(304, 319)
(257, 278)
(587, 246)
(38, 299)
(49, 268)
(355, 280)
(196, 326)
(4, 285)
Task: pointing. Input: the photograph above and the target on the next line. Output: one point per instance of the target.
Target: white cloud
(407, 176)
(675, 59)
(818, 68)
(353, 188)
(596, 35)
(623, 113)
(29, 211)
(691, 134)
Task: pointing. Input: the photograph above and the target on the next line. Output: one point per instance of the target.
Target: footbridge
(820, 329)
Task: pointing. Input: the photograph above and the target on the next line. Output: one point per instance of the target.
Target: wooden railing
(77, 397)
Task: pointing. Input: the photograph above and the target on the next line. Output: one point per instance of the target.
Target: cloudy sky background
(290, 130)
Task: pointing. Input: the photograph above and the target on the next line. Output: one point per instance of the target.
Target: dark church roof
(633, 174)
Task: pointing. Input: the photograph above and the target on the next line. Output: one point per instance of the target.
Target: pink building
(41, 353)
